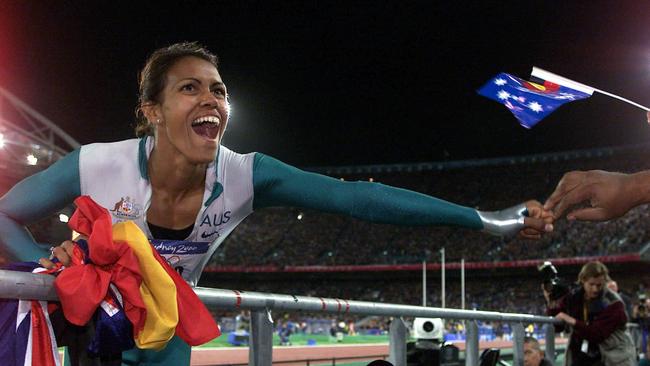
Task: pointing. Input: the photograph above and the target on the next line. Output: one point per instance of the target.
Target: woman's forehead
(191, 67)
(595, 279)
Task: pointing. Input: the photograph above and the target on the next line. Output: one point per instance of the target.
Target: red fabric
(195, 323)
(81, 288)
(41, 340)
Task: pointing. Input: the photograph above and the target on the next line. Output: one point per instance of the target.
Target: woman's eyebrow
(216, 83)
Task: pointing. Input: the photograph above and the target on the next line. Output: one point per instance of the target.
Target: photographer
(595, 317)
(641, 316)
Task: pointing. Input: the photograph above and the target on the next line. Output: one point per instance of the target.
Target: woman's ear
(152, 113)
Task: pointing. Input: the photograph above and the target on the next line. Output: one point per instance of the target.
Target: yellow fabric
(157, 289)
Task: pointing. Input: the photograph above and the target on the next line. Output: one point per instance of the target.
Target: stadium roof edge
(471, 163)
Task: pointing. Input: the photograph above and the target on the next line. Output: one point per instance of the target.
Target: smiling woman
(187, 192)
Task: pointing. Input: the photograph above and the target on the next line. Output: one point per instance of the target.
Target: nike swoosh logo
(206, 235)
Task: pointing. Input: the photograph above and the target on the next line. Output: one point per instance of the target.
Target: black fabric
(164, 233)
(77, 339)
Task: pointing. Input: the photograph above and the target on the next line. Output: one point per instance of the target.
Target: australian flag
(26, 331)
(529, 101)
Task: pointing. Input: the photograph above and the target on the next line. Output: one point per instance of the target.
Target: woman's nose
(209, 100)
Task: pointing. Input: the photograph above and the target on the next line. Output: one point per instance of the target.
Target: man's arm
(610, 195)
(32, 199)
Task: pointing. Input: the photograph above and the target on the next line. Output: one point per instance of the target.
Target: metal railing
(21, 285)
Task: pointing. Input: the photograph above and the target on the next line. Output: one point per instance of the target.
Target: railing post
(518, 344)
(397, 345)
(471, 343)
(260, 351)
(550, 342)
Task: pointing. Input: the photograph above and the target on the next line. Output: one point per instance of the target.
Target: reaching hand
(512, 220)
(539, 221)
(610, 195)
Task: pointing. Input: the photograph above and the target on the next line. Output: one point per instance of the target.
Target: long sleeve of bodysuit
(278, 184)
(32, 199)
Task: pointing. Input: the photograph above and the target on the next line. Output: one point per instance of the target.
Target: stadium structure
(30, 142)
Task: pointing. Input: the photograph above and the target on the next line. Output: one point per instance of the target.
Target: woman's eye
(188, 87)
(219, 92)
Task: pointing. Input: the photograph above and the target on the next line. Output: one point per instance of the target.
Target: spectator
(595, 317)
(533, 354)
(641, 316)
(612, 285)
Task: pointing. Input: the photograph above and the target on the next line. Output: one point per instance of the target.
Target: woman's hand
(529, 219)
(566, 318)
(63, 253)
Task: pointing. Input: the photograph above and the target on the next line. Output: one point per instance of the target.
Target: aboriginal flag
(531, 101)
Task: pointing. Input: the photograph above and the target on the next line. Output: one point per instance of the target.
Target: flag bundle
(115, 278)
(156, 299)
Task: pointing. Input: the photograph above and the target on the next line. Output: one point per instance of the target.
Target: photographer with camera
(641, 316)
(595, 317)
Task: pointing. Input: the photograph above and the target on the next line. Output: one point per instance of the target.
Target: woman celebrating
(177, 182)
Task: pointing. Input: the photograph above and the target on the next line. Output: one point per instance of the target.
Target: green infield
(308, 339)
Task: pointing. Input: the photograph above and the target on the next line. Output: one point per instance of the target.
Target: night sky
(342, 82)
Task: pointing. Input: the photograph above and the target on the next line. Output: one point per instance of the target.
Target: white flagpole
(442, 267)
(462, 283)
(424, 283)
(560, 80)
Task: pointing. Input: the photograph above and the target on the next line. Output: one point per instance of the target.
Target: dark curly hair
(154, 73)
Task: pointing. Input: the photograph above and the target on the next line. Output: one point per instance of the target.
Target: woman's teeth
(206, 126)
(206, 119)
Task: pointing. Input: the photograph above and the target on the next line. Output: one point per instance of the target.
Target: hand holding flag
(531, 101)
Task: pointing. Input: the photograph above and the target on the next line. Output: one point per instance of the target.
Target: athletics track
(239, 355)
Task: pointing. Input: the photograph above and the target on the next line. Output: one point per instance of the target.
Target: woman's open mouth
(207, 126)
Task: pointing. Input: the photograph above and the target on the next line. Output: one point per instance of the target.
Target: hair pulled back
(153, 77)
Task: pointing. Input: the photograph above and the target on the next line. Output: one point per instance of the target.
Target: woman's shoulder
(609, 297)
(234, 159)
(117, 146)
(101, 154)
(230, 153)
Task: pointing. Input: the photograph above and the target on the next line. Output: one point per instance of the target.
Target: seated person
(533, 354)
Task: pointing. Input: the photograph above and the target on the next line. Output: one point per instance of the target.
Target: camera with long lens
(553, 284)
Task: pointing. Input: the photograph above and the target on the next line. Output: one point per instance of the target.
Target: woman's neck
(174, 175)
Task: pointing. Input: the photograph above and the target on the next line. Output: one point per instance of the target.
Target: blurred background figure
(533, 354)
